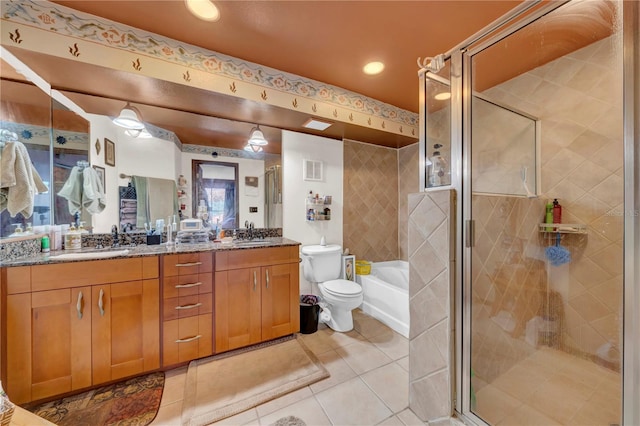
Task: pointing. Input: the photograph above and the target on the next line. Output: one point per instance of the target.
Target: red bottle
(557, 211)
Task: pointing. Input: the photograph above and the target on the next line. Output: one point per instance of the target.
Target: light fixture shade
(257, 137)
(129, 119)
(252, 148)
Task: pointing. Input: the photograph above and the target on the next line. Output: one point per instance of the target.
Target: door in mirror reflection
(215, 192)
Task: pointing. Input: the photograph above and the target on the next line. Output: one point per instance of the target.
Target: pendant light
(256, 137)
(129, 118)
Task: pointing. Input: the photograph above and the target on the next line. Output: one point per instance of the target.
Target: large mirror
(56, 140)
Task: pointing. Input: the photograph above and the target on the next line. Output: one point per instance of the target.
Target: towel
(163, 198)
(93, 199)
(72, 190)
(19, 180)
(140, 184)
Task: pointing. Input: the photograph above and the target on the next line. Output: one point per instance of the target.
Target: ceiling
(328, 41)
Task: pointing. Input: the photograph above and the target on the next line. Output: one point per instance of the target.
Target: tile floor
(551, 387)
(368, 384)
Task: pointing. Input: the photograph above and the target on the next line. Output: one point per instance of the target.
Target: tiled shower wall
(375, 180)
(431, 263)
(408, 183)
(577, 99)
(370, 201)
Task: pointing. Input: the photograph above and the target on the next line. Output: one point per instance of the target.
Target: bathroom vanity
(68, 326)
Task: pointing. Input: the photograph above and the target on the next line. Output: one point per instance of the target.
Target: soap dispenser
(323, 241)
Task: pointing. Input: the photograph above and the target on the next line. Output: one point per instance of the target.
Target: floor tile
(493, 405)
(409, 418)
(404, 363)
(368, 326)
(338, 369)
(308, 410)
(391, 421)
(391, 383)
(362, 356)
(391, 343)
(353, 403)
(527, 416)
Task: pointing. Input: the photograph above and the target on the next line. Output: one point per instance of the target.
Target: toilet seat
(342, 288)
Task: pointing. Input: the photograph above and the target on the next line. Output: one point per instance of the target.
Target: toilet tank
(321, 263)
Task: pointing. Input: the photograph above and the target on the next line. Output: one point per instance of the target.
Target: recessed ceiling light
(316, 124)
(203, 9)
(443, 96)
(373, 68)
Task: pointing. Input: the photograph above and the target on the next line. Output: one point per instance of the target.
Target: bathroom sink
(90, 255)
(252, 243)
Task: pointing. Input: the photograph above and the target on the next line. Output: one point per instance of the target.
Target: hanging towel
(163, 198)
(72, 190)
(93, 199)
(140, 184)
(19, 180)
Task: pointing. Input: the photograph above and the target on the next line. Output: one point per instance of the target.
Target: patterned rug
(134, 402)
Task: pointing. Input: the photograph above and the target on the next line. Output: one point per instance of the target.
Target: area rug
(134, 402)
(220, 387)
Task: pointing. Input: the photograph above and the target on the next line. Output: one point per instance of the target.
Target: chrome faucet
(114, 236)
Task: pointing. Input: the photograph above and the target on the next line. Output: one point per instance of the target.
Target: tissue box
(153, 240)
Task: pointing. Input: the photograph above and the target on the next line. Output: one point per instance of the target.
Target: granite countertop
(145, 250)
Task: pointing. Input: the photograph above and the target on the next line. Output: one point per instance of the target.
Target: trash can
(309, 311)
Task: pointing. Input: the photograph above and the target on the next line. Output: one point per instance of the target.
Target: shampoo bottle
(557, 211)
(548, 217)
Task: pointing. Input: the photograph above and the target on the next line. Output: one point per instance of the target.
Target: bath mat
(219, 387)
(134, 402)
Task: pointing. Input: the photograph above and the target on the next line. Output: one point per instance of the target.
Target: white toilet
(321, 264)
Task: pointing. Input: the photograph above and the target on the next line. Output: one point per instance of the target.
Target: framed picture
(109, 152)
(100, 171)
(349, 267)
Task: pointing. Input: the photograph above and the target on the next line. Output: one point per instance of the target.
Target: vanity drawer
(185, 285)
(251, 258)
(187, 264)
(187, 306)
(186, 339)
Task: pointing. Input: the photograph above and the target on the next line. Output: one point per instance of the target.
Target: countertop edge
(144, 250)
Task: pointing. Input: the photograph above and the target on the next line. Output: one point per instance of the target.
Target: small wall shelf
(563, 228)
(317, 209)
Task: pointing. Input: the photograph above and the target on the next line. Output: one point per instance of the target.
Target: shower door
(544, 301)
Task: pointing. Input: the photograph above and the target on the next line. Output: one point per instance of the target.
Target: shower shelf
(563, 228)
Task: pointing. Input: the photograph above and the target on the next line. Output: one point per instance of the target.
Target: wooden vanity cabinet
(187, 300)
(256, 295)
(69, 326)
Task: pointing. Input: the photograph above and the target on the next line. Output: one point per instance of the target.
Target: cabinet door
(237, 308)
(48, 343)
(280, 301)
(125, 329)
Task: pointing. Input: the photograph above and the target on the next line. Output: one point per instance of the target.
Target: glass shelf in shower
(563, 228)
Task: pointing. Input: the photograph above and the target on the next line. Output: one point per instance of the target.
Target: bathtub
(386, 294)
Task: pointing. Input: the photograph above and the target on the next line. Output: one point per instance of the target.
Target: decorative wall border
(56, 30)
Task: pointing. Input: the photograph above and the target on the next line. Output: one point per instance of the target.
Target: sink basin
(90, 255)
(252, 243)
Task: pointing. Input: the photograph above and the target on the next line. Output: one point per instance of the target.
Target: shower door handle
(470, 233)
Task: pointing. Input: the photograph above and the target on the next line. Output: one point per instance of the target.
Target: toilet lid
(344, 287)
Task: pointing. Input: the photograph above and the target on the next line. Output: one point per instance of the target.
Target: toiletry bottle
(557, 211)
(45, 243)
(548, 217)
